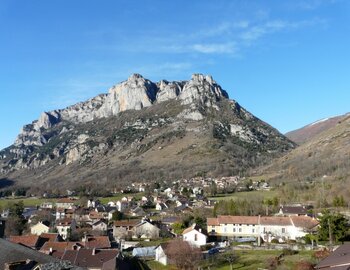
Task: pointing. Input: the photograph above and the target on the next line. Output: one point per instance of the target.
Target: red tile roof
(96, 242)
(275, 221)
(126, 223)
(58, 246)
(25, 240)
(213, 222)
(51, 237)
(90, 258)
(304, 222)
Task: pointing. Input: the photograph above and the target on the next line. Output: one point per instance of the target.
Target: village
(148, 225)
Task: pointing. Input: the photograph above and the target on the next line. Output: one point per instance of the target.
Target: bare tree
(183, 255)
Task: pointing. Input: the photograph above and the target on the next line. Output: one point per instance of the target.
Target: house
(96, 259)
(161, 206)
(98, 242)
(122, 229)
(46, 205)
(338, 259)
(65, 227)
(56, 249)
(122, 205)
(294, 210)
(13, 256)
(195, 236)
(138, 212)
(183, 209)
(31, 241)
(40, 227)
(96, 216)
(50, 237)
(65, 203)
(268, 228)
(99, 225)
(161, 254)
(92, 203)
(145, 229)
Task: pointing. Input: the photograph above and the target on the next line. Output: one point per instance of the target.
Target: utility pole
(330, 235)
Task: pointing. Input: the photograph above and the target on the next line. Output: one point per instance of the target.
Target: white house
(195, 236)
(161, 206)
(65, 227)
(65, 203)
(161, 254)
(266, 227)
(122, 205)
(39, 228)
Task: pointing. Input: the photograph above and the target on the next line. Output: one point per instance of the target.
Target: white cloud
(217, 48)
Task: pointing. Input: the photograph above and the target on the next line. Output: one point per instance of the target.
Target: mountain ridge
(191, 126)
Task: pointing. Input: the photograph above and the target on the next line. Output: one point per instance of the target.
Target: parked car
(213, 251)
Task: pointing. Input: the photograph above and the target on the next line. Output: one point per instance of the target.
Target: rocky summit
(141, 129)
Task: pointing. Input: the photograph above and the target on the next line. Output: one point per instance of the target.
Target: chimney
(93, 251)
(50, 251)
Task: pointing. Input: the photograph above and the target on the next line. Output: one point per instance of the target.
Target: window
(283, 230)
(234, 229)
(240, 229)
(253, 231)
(195, 237)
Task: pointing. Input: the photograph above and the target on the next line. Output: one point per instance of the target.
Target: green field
(246, 195)
(26, 201)
(38, 201)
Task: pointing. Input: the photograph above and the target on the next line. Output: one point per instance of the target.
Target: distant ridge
(310, 131)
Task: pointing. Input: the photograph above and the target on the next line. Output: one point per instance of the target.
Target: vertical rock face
(133, 94)
(201, 88)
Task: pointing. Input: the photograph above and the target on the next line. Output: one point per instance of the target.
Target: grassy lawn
(254, 259)
(26, 201)
(158, 266)
(268, 194)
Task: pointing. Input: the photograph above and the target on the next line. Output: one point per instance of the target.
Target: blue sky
(285, 61)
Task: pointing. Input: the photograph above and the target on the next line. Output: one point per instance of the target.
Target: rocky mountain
(310, 131)
(142, 130)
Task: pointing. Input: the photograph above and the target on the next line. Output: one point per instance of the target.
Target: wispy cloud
(217, 48)
(313, 4)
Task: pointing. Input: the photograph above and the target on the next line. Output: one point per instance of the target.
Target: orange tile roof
(126, 223)
(65, 200)
(275, 221)
(26, 240)
(238, 219)
(58, 246)
(304, 222)
(213, 222)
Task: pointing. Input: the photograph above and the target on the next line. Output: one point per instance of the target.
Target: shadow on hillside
(5, 182)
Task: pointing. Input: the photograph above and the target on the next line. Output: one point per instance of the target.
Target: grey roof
(11, 252)
(340, 258)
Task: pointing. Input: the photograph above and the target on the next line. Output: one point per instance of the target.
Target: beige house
(39, 228)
